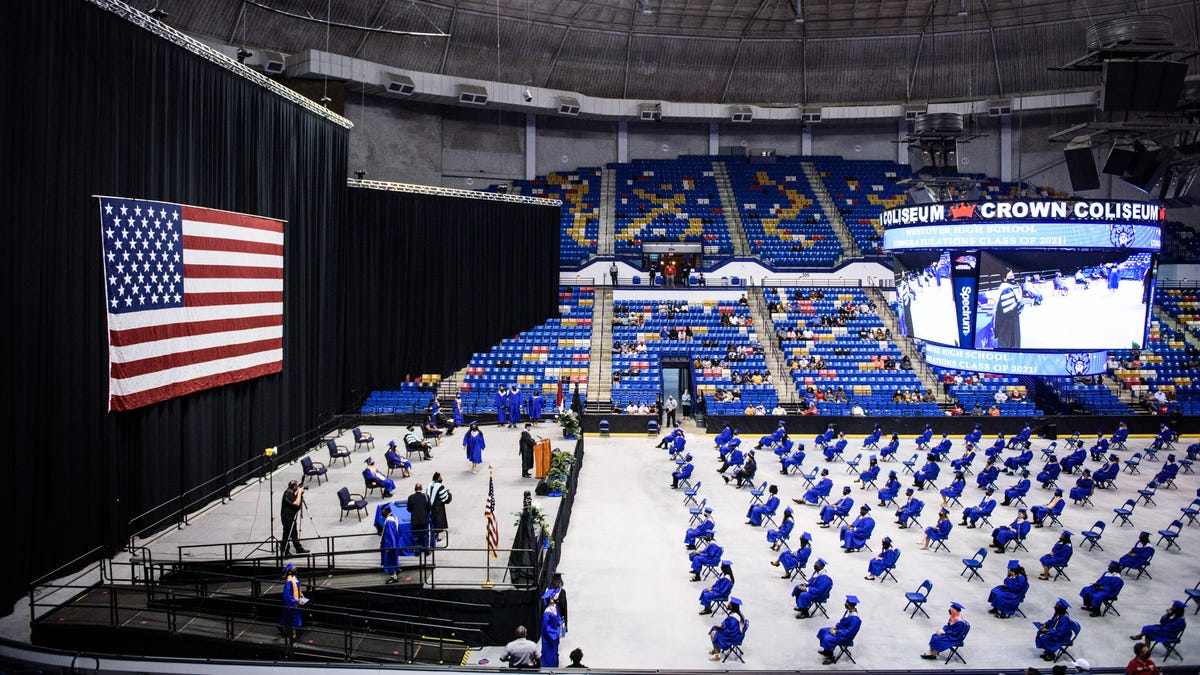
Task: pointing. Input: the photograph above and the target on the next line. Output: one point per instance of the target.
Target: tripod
(271, 544)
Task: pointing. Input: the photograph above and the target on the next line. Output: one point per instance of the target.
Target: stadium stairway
(1170, 322)
(599, 392)
(832, 214)
(921, 369)
(733, 216)
(785, 387)
(608, 200)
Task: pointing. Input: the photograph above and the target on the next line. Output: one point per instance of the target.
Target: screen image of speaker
(924, 301)
(1062, 299)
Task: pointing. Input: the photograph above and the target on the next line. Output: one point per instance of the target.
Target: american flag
(195, 298)
(493, 530)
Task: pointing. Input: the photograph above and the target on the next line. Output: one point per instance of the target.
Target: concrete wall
(667, 140)
(855, 139)
(566, 143)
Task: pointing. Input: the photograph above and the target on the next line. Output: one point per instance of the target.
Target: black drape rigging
(106, 108)
(434, 279)
(397, 284)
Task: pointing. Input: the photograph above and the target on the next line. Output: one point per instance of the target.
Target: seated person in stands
(375, 478)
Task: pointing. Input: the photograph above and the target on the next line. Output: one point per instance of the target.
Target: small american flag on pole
(493, 530)
(194, 298)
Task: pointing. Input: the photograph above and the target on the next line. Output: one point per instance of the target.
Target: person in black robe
(418, 509)
(526, 450)
(289, 511)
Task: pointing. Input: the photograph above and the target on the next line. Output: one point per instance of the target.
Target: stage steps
(921, 369)
(605, 244)
(733, 218)
(764, 327)
(599, 387)
(849, 246)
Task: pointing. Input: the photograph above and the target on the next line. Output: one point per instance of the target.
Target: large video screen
(924, 301)
(1063, 300)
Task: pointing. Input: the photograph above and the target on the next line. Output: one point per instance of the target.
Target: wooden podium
(541, 458)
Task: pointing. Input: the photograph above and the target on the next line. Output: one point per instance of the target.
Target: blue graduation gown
(790, 560)
(954, 490)
(1054, 633)
(831, 451)
(1039, 512)
(784, 531)
(890, 490)
(872, 439)
(785, 447)
(728, 633)
(1049, 472)
(996, 449)
(940, 530)
(1165, 630)
(502, 407)
(821, 489)
(963, 461)
(514, 413)
(678, 444)
(700, 531)
(718, 591)
(889, 449)
(855, 536)
(291, 605)
(388, 545)
(474, 445)
(551, 632)
(985, 508)
(843, 632)
(928, 472)
(1059, 555)
(1137, 557)
(1018, 529)
(884, 560)
(1074, 460)
(942, 448)
(684, 471)
(723, 437)
(711, 555)
(987, 476)
(819, 588)
(535, 406)
(458, 415)
(951, 635)
(386, 483)
(870, 474)
(1019, 490)
(1083, 489)
(911, 508)
(794, 459)
(839, 508)
(394, 459)
(1007, 597)
(758, 511)
(1106, 588)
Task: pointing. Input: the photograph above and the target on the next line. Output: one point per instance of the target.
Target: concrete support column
(530, 146)
(806, 140)
(714, 138)
(1006, 148)
(901, 149)
(622, 141)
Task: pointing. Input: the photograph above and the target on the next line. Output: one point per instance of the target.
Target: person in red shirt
(1141, 663)
(669, 274)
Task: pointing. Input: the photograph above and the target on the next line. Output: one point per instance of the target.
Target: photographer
(289, 510)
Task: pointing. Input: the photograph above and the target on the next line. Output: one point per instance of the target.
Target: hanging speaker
(1081, 165)
(1119, 158)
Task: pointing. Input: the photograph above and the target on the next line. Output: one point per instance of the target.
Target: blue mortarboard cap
(688, 457)
(1058, 491)
(1022, 511)
(289, 568)
(391, 444)
(866, 507)
(727, 563)
(708, 509)
(1178, 603)
(888, 539)
(788, 510)
(1143, 533)
(782, 423)
(805, 537)
(1014, 564)
(550, 594)
(1062, 603)
(735, 601)
(1068, 533)
(909, 491)
(852, 599)
(891, 474)
(943, 511)
(821, 562)
(737, 430)
(368, 460)
(824, 472)
(957, 606)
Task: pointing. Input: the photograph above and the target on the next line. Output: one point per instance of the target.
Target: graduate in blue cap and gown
(374, 476)
(551, 628)
(790, 560)
(730, 631)
(817, 588)
(293, 598)
(756, 513)
(887, 557)
(705, 528)
(709, 555)
(841, 633)
(719, 589)
(474, 444)
(1055, 631)
(1106, 588)
(855, 535)
(389, 545)
(776, 537)
(1169, 627)
(1059, 555)
(457, 410)
(537, 401)
(514, 409)
(501, 402)
(950, 635)
(1006, 598)
(890, 489)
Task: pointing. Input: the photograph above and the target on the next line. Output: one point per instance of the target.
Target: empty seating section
(410, 397)
(981, 388)
(1096, 399)
(1168, 364)
(537, 359)
(716, 338)
(579, 191)
(669, 201)
(1180, 243)
(861, 190)
(784, 224)
(842, 353)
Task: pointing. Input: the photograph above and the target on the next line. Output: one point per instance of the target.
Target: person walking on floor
(439, 497)
(418, 509)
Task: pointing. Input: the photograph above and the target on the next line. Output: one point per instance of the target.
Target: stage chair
(918, 598)
(351, 502)
(337, 452)
(364, 439)
(317, 469)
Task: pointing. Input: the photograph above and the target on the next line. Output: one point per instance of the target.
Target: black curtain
(98, 106)
(433, 279)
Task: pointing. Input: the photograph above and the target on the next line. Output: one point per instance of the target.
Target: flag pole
(489, 515)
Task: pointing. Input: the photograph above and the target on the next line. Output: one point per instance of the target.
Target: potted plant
(560, 469)
(569, 421)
